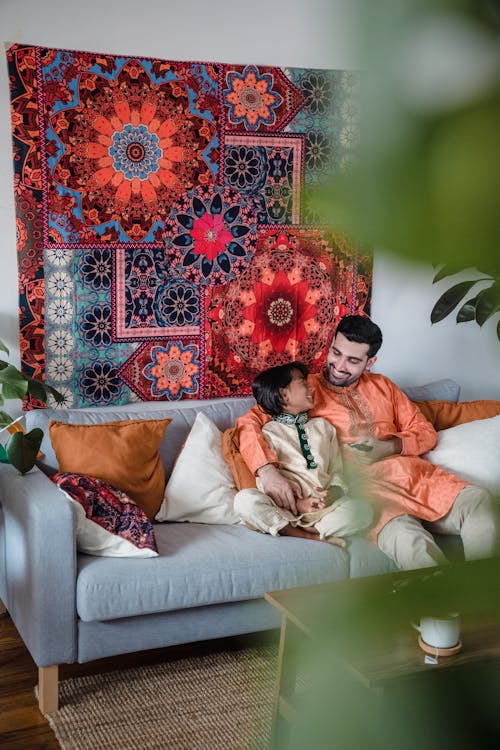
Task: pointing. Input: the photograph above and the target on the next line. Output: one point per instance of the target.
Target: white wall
(316, 33)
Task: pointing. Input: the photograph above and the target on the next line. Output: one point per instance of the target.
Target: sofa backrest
(223, 412)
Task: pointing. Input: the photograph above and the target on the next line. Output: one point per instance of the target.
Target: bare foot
(310, 533)
(309, 504)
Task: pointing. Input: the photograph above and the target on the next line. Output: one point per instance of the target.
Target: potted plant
(21, 448)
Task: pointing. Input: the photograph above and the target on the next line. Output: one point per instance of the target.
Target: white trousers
(342, 518)
(474, 515)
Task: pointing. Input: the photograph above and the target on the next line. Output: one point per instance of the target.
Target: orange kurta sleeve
(253, 446)
(416, 432)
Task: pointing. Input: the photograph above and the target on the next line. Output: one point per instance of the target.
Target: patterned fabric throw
(166, 246)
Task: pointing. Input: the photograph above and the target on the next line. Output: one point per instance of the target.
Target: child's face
(298, 395)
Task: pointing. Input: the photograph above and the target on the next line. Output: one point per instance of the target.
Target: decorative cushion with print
(110, 523)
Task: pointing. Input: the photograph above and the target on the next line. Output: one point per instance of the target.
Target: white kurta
(343, 517)
(283, 439)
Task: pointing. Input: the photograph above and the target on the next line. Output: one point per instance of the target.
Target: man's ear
(370, 362)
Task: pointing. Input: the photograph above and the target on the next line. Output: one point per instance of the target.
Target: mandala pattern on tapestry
(284, 306)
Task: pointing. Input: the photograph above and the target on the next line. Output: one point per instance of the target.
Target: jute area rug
(217, 701)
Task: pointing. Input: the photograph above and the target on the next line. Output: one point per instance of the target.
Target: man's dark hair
(267, 385)
(362, 330)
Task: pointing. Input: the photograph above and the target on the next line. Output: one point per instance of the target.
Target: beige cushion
(201, 487)
(471, 451)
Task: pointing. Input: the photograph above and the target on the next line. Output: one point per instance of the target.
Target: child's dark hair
(267, 386)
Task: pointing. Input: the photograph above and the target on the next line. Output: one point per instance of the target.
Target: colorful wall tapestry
(165, 247)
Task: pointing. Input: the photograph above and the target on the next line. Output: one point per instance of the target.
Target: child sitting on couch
(309, 455)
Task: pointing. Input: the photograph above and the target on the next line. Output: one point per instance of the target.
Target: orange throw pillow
(123, 453)
(445, 414)
(243, 477)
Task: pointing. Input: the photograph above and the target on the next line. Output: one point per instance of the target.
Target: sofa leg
(48, 689)
(3, 608)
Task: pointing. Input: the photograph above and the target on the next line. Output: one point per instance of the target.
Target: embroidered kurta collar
(285, 418)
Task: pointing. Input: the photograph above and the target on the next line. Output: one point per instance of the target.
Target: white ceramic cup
(440, 632)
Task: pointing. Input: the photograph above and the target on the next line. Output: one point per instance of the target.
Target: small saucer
(435, 651)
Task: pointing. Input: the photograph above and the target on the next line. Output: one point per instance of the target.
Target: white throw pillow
(201, 486)
(472, 452)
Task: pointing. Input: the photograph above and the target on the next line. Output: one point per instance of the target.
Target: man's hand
(281, 490)
(369, 450)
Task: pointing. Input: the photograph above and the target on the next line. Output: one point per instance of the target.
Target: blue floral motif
(208, 232)
(251, 98)
(243, 167)
(174, 370)
(100, 382)
(96, 325)
(177, 304)
(95, 269)
(318, 150)
(135, 151)
(317, 92)
(143, 307)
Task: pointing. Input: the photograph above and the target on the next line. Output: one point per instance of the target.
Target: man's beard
(347, 380)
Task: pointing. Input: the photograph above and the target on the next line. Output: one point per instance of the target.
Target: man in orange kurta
(383, 435)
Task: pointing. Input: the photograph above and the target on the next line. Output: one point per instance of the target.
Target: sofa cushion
(471, 451)
(109, 523)
(200, 487)
(200, 565)
(124, 454)
(445, 389)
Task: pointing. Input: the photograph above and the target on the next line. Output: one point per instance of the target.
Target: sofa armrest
(38, 538)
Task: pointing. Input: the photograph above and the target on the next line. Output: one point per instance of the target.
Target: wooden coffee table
(389, 654)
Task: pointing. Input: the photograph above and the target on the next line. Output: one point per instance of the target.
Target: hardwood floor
(23, 727)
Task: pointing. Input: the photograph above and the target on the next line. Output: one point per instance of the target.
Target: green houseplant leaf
(14, 383)
(448, 269)
(450, 299)
(22, 449)
(40, 391)
(5, 419)
(468, 311)
(488, 303)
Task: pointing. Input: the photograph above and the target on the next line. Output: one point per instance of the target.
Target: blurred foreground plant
(429, 708)
(426, 180)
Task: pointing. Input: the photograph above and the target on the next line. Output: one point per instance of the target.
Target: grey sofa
(208, 581)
